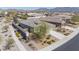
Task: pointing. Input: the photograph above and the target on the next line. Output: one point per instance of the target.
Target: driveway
(68, 27)
(56, 34)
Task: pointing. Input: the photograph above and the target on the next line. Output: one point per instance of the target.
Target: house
(53, 20)
(36, 15)
(26, 26)
(30, 23)
(19, 29)
(66, 18)
(57, 20)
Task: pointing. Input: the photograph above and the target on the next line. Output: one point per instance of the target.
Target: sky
(25, 8)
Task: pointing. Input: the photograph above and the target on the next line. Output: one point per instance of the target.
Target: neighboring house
(53, 20)
(63, 13)
(21, 12)
(66, 18)
(30, 23)
(57, 20)
(36, 15)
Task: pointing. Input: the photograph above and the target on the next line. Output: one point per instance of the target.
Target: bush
(41, 30)
(23, 16)
(75, 19)
(9, 44)
(17, 34)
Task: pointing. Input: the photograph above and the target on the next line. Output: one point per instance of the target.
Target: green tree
(75, 18)
(41, 30)
(23, 16)
(12, 13)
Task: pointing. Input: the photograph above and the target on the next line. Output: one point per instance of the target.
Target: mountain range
(59, 9)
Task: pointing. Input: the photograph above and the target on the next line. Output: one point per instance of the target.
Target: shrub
(41, 30)
(75, 18)
(9, 44)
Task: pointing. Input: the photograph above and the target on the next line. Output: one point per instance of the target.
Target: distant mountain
(65, 9)
(59, 9)
(41, 10)
(51, 10)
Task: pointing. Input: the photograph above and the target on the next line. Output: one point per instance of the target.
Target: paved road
(72, 45)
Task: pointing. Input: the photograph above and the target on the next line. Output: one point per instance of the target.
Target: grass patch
(75, 19)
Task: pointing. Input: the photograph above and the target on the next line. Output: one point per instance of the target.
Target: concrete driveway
(68, 27)
(56, 34)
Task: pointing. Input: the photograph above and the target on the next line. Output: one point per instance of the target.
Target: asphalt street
(72, 45)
